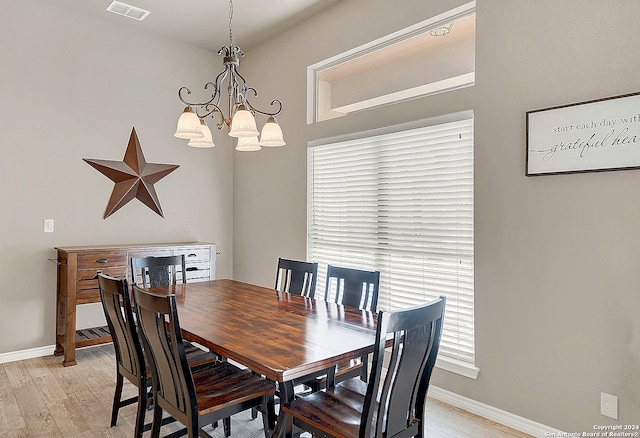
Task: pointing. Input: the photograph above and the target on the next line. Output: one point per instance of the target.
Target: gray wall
(557, 284)
(72, 87)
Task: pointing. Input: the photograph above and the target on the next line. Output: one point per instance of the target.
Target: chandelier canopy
(240, 120)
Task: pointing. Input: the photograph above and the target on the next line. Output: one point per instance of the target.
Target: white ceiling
(205, 23)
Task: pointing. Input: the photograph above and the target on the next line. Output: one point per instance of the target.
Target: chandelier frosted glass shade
(271, 134)
(188, 125)
(202, 142)
(243, 124)
(248, 144)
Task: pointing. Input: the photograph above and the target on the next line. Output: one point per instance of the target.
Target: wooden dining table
(280, 336)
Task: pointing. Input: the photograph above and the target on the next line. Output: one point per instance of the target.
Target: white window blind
(401, 203)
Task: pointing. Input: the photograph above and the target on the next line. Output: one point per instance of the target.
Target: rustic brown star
(134, 177)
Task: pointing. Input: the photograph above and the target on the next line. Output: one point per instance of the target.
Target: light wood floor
(41, 398)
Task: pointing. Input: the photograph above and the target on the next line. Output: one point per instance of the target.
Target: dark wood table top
(278, 335)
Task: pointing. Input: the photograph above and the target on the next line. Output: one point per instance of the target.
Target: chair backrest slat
(297, 277)
(394, 404)
(352, 287)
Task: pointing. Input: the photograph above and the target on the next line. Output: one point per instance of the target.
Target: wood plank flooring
(41, 398)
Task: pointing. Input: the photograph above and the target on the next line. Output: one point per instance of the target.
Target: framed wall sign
(590, 136)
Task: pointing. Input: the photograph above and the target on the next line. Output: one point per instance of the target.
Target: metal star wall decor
(134, 177)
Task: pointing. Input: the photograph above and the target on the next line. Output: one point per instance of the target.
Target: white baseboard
(494, 414)
(30, 353)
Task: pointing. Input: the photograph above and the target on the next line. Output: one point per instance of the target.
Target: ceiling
(205, 23)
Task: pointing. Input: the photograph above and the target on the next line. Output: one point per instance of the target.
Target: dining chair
(155, 271)
(392, 405)
(130, 363)
(195, 397)
(158, 271)
(297, 277)
(130, 359)
(355, 288)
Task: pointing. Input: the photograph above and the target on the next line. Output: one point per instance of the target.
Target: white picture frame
(592, 136)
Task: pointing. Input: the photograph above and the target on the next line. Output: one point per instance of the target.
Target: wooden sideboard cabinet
(77, 283)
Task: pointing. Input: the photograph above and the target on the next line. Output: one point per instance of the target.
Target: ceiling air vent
(127, 10)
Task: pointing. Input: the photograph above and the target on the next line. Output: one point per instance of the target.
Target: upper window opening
(430, 57)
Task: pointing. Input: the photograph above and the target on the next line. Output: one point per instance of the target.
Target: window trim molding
(460, 81)
(422, 27)
(458, 367)
(421, 123)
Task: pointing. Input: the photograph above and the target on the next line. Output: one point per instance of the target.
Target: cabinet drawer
(101, 260)
(198, 271)
(194, 254)
(87, 278)
(88, 296)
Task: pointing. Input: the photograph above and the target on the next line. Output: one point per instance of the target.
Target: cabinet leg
(69, 356)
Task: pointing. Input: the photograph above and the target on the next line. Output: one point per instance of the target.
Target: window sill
(458, 367)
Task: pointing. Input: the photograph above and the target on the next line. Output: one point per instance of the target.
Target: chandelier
(240, 120)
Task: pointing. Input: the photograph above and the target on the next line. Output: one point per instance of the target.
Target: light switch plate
(48, 225)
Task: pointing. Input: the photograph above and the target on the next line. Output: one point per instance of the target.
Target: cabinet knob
(192, 255)
(102, 261)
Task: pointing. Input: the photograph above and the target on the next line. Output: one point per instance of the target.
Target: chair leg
(116, 399)
(271, 410)
(288, 426)
(420, 430)
(265, 425)
(157, 421)
(226, 422)
(364, 374)
(142, 408)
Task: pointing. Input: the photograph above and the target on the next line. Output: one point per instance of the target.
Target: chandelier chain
(230, 18)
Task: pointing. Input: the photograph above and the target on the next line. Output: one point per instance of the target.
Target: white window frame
(454, 358)
(315, 88)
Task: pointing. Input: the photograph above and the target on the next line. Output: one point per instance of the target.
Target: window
(400, 201)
